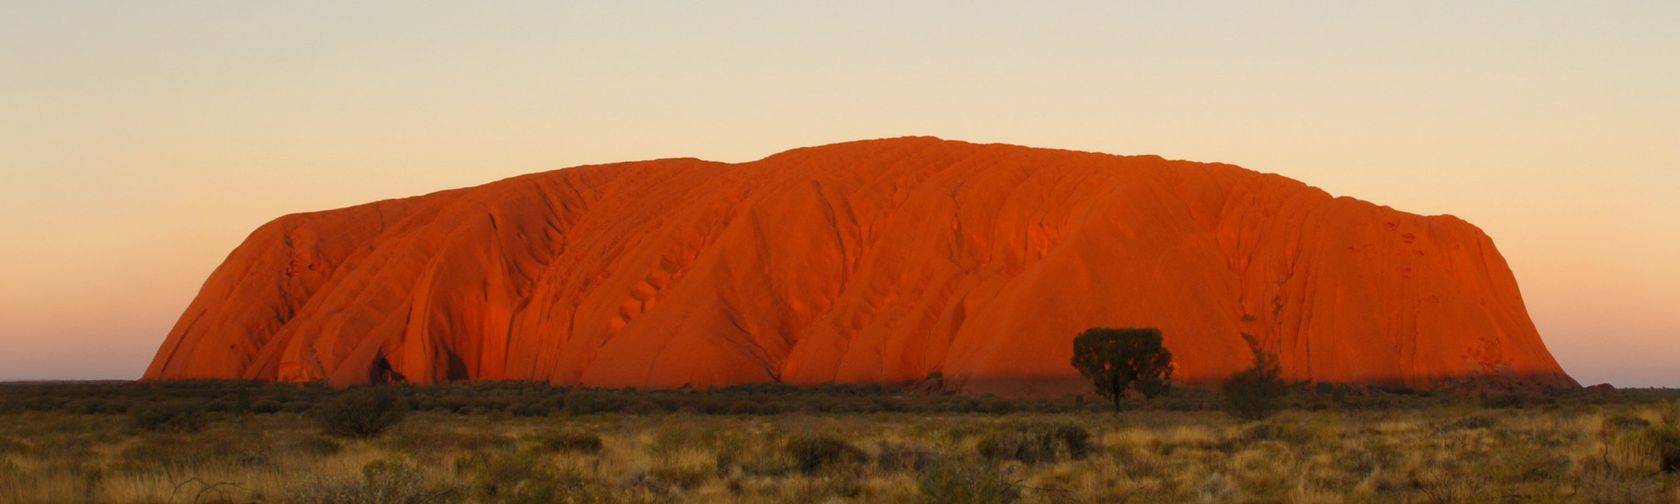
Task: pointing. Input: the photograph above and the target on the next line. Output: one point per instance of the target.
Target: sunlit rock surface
(881, 261)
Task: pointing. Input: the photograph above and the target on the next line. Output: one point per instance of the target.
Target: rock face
(876, 261)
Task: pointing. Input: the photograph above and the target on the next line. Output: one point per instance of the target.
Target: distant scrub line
(525, 399)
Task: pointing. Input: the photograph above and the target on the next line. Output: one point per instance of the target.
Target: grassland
(522, 443)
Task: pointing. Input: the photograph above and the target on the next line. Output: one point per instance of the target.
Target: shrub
(1257, 392)
(1641, 453)
(511, 478)
(180, 416)
(961, 481)
(1667, 440)
(391, 481)
(267, 406)
(1620, 423)
(1037, 443)
(383, 482)
(1507, 401)
(1287, 431)
(9, 445)
(571, 442)
(361, 413)
(902, 457)
(681, 475)
(1474, 422)
(680, 438)
(190, 453)
(533, 408)
(1115, 360)
(812, 453)
(309, 445)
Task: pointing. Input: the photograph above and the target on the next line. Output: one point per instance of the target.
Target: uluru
(887, 261)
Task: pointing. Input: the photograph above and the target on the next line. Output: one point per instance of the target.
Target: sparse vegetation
(361, 413)
(571, 442)
(1036, 443)
(78, 443)
(1667, 441)
(813, 453)
(384, 481)
(179, 416)
(954, 480)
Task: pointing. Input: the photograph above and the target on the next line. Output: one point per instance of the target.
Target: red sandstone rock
(873, 261)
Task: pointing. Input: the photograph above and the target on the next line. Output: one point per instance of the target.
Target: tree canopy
(1117, 360)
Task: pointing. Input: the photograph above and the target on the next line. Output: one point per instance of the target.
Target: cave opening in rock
(381, 372)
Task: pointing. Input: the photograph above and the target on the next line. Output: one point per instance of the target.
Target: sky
(141, 141)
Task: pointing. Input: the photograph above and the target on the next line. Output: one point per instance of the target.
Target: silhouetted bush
(361, 412)
(811, 453)
(1257, 392)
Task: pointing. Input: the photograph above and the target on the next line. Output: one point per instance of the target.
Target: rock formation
(875, 261)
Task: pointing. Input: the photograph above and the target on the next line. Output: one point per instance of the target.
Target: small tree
(1116, 360)
(1256, 392)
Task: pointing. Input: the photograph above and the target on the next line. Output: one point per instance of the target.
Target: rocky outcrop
(874, 261)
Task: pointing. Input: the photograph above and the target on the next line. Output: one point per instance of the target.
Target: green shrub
(812, 453)
(964, 481)
(179, 416)
(570, 442)
(1036, 443)
(361, 413)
